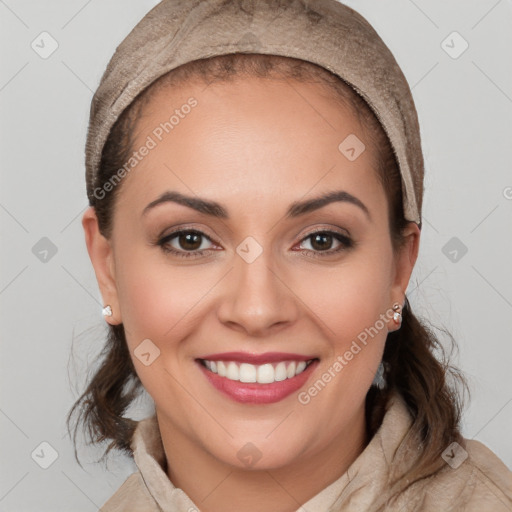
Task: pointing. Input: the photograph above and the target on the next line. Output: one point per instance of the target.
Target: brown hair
(411, 367)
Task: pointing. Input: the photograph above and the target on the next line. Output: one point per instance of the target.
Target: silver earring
(107, 311)
(397, 315)
(379, 380)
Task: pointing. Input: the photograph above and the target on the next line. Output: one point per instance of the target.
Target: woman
(255, 179)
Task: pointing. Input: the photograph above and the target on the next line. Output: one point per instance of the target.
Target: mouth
(259, 379)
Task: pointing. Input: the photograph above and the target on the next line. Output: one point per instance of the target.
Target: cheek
(349, 297)
(352, 305)
(155, 297)
(157, 303)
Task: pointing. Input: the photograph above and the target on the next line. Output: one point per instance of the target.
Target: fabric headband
(324, 32)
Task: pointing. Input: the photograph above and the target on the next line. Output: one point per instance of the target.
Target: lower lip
(254, 393)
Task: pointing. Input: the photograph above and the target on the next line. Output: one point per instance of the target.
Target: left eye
(322, 241)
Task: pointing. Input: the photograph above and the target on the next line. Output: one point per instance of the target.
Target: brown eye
(190, 241)
(185, 243)
(321, 243)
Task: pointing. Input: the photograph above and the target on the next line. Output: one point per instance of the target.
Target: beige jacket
(474, 479)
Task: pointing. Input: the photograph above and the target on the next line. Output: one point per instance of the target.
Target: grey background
(50, 304)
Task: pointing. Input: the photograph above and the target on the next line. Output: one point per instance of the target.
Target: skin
(255, 146)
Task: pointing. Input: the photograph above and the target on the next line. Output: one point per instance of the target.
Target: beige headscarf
(324, 32)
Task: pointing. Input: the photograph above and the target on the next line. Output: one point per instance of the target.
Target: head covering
(324, 32)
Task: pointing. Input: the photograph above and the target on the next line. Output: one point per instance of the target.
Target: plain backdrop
(49, 299)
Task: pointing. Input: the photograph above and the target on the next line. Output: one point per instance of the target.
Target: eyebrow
(296, 209)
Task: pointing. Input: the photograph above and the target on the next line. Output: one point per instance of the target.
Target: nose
(258, 299)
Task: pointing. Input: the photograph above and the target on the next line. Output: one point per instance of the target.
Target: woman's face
(264, 279)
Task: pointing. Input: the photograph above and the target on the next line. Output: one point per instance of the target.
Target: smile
(257, 379)
(262, 374)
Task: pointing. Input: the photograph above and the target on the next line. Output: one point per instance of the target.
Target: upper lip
(247, 357)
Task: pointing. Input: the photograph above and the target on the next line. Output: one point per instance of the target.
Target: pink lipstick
(257, 378)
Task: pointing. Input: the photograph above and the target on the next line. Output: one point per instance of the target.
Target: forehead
(256, 136)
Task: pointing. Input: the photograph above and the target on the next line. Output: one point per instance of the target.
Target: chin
(258, 453)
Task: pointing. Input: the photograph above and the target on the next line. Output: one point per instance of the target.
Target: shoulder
(132, 495)
(474, 479)
(489, 476)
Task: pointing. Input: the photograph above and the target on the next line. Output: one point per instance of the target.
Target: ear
(102, 259)
(405, 260)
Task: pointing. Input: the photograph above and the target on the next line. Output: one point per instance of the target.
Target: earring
(397, 315)
(107, 311)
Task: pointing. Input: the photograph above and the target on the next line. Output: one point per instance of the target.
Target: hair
(426, 382)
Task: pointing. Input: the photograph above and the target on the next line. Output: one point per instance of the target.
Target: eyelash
(345, 241)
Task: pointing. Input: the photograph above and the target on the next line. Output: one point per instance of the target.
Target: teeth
(233, 373)
(265, 374)
(247, 373)
(300, 367)
(280, 372)
(221, 368)
(262, 374)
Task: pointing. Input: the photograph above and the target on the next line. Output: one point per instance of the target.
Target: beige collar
(359, 487)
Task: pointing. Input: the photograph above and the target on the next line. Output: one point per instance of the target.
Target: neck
(215, 486)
